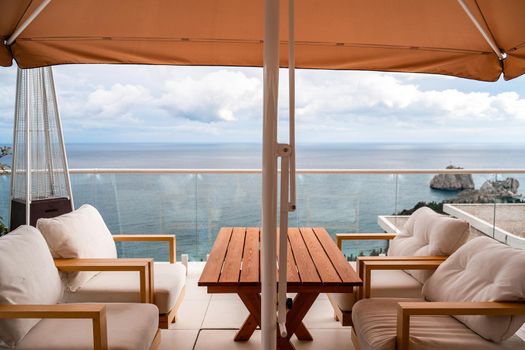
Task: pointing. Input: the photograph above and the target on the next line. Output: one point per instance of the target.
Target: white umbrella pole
(269, 175)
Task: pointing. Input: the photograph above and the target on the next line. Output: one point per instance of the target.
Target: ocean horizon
(309, 156)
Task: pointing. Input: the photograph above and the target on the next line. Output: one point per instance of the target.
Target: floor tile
(177, 339)
(191, 314)
(321, 315)
(225, 313)
(223, 339)
(326, 339)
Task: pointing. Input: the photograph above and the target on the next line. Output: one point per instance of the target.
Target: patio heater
(40, 185)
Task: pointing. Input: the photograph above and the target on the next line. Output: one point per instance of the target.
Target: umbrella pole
(269, 175)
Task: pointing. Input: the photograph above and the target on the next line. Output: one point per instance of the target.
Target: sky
(131, 103)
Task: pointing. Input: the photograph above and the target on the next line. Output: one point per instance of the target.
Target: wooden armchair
(31, 313)
(456, 290)
(436, 237)
(144, 268)
(343, 303)
(92, 248)
(408, 309)
(147, 285)
(61, 313)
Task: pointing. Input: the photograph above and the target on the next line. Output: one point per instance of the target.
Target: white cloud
(218, 96)
(220, 104)
(369, 97)
(119, 99)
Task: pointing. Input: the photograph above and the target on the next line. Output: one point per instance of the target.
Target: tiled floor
(209, 322)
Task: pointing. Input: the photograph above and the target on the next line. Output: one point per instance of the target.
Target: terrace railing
(195, 203)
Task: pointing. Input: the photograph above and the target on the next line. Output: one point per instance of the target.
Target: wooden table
(315, 265)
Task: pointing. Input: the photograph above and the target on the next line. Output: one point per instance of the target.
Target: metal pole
(27, 22)
(29, 112)
(61, 137)
(269, 175)
(15, 138)
(487, 36)
(47, 133)
(284, 153)
(291, 92)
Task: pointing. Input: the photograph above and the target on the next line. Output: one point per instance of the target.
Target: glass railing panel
(142, 203)
(346, 203)
(509, 209)
(195, 205)
(224, 200)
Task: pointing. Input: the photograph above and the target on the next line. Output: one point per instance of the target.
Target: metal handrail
(299, 171)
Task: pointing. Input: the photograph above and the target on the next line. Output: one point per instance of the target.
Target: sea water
(195, 205)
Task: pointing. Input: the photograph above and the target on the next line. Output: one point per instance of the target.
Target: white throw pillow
(27, 276)
(482, 270)
(79, 234)
(428, 233)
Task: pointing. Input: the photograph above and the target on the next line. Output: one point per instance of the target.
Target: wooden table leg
(294, 320)
(302, 333)
(252, 302)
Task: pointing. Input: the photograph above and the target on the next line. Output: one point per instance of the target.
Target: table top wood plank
(324, 267)
(232, 262)
(343, 268)
(291, 272)
(292, 276)
(305, 264)
(250, 258)
(212, 269)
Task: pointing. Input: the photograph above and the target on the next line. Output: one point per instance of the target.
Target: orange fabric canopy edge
(431, 36)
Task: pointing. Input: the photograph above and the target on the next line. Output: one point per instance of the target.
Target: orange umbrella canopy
(427, 36)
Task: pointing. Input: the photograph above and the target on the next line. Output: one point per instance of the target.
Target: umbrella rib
(487, 35)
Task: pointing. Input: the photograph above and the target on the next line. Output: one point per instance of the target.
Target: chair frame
(145, 268)
(345, 316)
(418, 308)
(95, 312)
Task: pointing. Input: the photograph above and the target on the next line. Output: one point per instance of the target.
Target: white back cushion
(27, 276)
(482, 270)
(79, 234)
(428, 233)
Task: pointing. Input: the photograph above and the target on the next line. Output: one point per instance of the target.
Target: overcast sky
(119, 103)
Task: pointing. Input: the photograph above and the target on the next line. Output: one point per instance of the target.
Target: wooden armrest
(340, 237)
(143, 266)
(170, 239)
(362, 259)
(369, 266)
(95, 312)
(407, 309)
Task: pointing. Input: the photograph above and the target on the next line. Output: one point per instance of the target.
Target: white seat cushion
(79, 234)
(428, 233)
(27, 276)
(375, 323)
(124, 287)
(482, 270)
(130, 327)
(385, 284)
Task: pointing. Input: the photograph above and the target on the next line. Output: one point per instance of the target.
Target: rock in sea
(452, 182)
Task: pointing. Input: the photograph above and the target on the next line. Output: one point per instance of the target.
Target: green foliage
(437, 207)
(4, 151)
(3, 228)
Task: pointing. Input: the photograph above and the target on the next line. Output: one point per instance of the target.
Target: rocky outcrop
(490, 192)
(452, 182)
